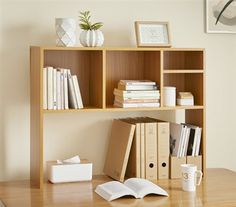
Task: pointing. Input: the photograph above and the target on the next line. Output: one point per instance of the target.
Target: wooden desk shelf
(99, 70)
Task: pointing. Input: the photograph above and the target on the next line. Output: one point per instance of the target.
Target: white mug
(191, 177)
(169, 97)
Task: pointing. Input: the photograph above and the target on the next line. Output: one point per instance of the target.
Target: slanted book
(136, 187)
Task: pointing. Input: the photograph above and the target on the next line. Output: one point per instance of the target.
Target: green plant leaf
(224, 8)
(85, 23)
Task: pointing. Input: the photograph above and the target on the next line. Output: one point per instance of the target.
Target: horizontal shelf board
(183, 71)
(118, 48)
(112, 108)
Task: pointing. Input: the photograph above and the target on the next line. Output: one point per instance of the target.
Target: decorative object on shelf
(66, 32)
(91, 36)
(185, 99)
(152, 34)
(169, 93)
(220, 16)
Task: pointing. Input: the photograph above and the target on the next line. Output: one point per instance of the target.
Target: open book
(136, 187)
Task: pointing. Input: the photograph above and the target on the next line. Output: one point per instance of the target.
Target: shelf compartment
(183, 60)
(130, 65)
(87, 65)
(187, 82)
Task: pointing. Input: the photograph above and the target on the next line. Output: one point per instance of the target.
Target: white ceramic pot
(66, 32)
(91, 38)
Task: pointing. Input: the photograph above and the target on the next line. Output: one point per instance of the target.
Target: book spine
(136, 105)
(198, 141)
(45, 94)
(54, 89)
(72, 99)
(59, 90)
(50, 88)
(65, 89)
(195, 140)
(77, 92)
(62, 89)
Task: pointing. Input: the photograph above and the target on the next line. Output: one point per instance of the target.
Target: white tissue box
(69, 172)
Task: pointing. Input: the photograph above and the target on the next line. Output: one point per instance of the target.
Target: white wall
(25, 23)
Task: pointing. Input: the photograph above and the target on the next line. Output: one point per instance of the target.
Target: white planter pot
(66, 32)
(91, 38)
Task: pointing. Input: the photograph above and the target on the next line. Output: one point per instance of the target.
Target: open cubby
(87, 65)
(183, 60)
(99, 71)
(130, 65)
(187, 82)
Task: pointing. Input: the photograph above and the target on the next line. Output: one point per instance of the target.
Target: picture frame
(220, 16)
(152, 34)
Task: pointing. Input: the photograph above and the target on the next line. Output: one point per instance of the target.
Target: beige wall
(25, 23)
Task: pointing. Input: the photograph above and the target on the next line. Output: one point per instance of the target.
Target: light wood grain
(99, 71)
(218, 188)
(36, 118)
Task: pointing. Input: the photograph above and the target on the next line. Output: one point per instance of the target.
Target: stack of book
(136, 93)
(185, 99)
(185, 140)
(60, 89)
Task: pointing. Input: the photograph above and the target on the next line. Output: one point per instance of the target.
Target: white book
(50, 87)
(186, 143)
(137, 87)
(54, 89)
(62, 89)
(198, 141)
(137, 82)
(77, 92)
(65, 89)
(176, 131)
(182, 139)
(135, 105)
(195, 140)
(45, 88)
(71, 95)
(130, 94)
(136, 187)
(59, 90)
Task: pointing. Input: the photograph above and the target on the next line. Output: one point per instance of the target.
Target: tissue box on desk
(69, 172)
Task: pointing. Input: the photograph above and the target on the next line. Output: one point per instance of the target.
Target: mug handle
(198, 175)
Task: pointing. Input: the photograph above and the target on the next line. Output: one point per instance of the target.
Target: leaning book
(136, 187)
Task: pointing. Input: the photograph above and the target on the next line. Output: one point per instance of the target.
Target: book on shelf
(135, 105)
(136, 187)
(137, 82)
(136, 87)
(142, 94)
(60, 89)
(135, 100)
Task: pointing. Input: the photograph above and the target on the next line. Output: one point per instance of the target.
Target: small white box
(69, 172)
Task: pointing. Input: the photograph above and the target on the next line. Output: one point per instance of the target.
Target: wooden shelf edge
(111, 109)
(183, 71)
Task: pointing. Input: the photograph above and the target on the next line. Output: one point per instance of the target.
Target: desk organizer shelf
(99, 70)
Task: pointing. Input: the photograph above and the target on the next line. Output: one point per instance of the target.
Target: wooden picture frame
(152, 34)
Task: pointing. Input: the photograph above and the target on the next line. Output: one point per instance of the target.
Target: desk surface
(218, 188)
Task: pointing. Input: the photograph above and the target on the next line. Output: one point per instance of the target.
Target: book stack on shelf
(60, 89)
(136, 93)
(148, 148)
(185, 99)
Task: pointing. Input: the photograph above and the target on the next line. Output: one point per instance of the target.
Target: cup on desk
(191, 177)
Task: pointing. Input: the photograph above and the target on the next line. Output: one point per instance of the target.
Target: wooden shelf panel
(113, 108)
(182, 71)
(184, 60)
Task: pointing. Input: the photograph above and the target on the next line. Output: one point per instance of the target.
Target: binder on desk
(163, 150)
(133, 167)
(150, 150)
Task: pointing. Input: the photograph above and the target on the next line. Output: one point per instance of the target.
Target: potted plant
(91, 36)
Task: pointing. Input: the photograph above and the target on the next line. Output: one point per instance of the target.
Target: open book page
(113, 190)
(143, 187)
